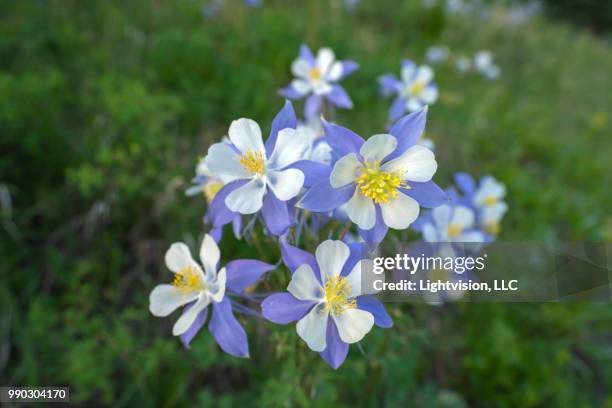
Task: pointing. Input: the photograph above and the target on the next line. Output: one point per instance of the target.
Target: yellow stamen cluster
(337, 290)
(254, 162)
(211, 189)
(315, 74)
(188, 280)
(454, 230)
(380, 186)
(490, 200)
(417, 88)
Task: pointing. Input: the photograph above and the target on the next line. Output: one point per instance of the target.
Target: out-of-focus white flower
(483, 60)
(483, 63)
(488, 198)
(452, 224)
(418, 88)
(437, 54)
(205, 182)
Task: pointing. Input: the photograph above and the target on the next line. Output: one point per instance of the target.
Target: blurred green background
(105, 107)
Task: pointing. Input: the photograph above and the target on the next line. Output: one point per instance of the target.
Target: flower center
(337, 291)
(188, 280)
(211, 189)
(416, 88)
(315, 74)
(253, 162)
(490, 200)
(380, 186)
(454, 230)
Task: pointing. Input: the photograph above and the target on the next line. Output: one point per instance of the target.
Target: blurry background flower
(316, 79)
(412, 92)
(483, 63)
(436, 54)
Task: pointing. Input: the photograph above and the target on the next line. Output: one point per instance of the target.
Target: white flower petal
(290, 147)
(301, 86)
(209, 256)
(430, 233)
(462, 217)
(424, 74)
(472, 236)
(335, 71)
(378, 147)
(353, 325)
(224, 161)
(442, 215)
(245, 134)
(312, 328)
(165, 299)
(322, 153)
(286, 184)
(247, 199)
(345, 171)
(493, 213)
(489, 187)
(418, 163)
(300, 68)
(331, 257)
(414, 104)
(430, 95)
(194, 190)
(400, 212)
(304, 285)
(325, 59)
(186, 320)
(322, 87)
(361, 210)
(407, 73)
(178, 257)
(219, 286)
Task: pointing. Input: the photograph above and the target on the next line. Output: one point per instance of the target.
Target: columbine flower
(205, 182)
(327, 299)
(318, 79)
(259, 176)
(486, 198)
(382, 180)
(436, 54)
(414, 91)
(196, 290)
(451, 223)
(483, 63)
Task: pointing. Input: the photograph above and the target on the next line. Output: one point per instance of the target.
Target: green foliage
(104, 109)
